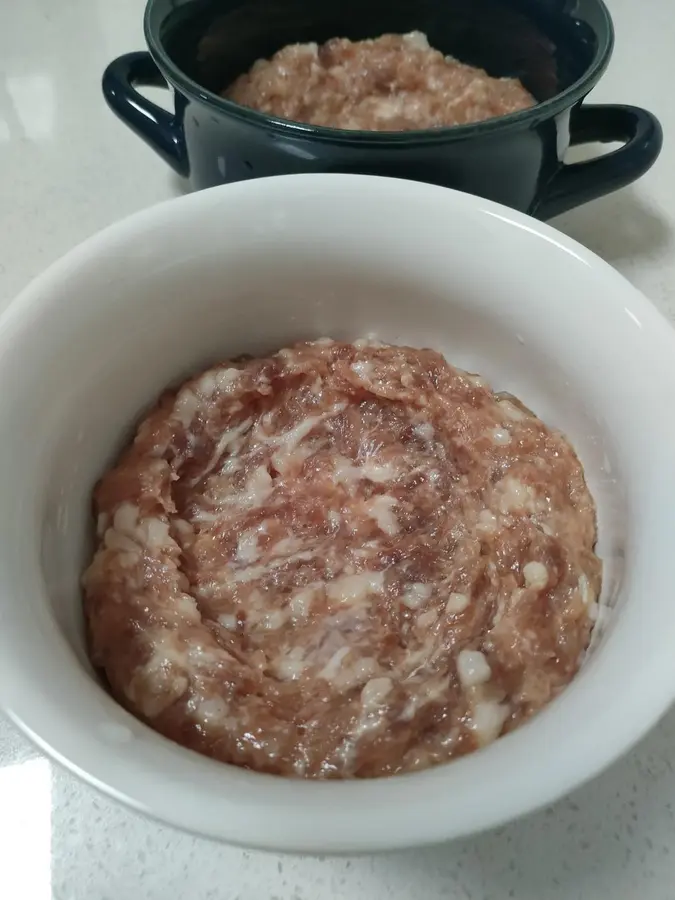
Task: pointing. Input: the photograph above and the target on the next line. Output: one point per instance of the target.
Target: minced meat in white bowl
(259, 265)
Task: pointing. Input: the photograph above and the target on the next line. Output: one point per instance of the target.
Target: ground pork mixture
(342, 560)
(392, 83)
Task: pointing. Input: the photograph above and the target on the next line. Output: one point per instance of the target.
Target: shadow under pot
(557, 48)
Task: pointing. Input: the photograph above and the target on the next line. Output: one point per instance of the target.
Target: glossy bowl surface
(254, 266)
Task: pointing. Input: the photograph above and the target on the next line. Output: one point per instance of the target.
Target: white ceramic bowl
(251, 267)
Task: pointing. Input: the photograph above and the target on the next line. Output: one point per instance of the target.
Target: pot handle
(583, 181)
(157, 127)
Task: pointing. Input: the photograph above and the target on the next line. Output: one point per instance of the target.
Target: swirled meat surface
(344, 560)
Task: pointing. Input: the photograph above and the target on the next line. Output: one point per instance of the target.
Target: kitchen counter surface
(68, 169)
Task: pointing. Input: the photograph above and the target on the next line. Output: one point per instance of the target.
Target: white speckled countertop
(69, 168)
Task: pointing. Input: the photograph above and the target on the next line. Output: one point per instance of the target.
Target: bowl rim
(29, 705)
(521, 119)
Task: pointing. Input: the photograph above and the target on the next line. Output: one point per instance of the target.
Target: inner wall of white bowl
(255, 267)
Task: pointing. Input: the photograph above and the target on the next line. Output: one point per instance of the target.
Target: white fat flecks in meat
(374, 693)
(515, 496)
(363, 369)
(210, 711)
(456, 603)
(427, 619)
(587, 595)
(287, 444)
(228, 621)
(373, 706)
(355, 590)
(248, 550)
(350, 474)
(434, 690)
(165, 670)
(119, 543)
(512, 412)
(258, 488)
(216, 381)
(274, 619)
(231, 440)
(125, 519)
(472, 668)
(487, 522)
(381, 510)
(186, 406)
(334, 519)
(424, 431)
(131, 535)
(416, 595)
(500, 436)
(300, 604)
(487, 719)
(330, 563)
(289, 666)
(334, 664)
(535, 574)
